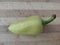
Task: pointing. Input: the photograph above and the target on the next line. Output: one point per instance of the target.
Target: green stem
(49, 20)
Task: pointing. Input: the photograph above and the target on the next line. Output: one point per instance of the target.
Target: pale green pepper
(32, 25)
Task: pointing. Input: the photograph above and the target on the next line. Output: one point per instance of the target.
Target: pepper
(32, 25)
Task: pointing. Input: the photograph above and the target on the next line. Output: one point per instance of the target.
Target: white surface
(22, 0)
(30, 5)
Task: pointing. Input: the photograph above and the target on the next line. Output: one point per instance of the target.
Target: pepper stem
(49, 20)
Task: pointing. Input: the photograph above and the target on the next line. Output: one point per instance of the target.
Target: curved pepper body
(30, 26)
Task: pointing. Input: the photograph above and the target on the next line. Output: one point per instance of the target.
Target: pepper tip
(54, 15)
